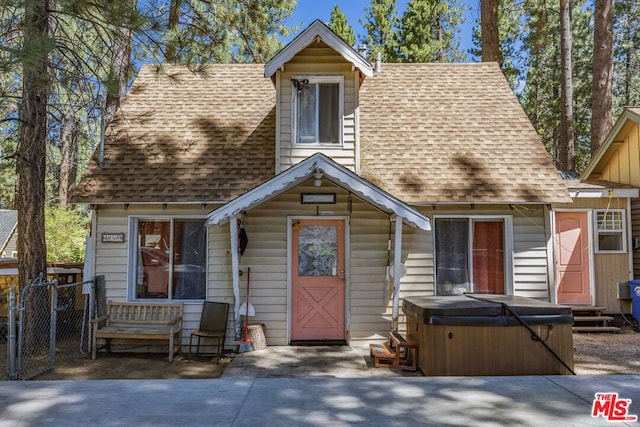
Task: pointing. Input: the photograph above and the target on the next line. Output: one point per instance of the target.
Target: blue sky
(309, 10)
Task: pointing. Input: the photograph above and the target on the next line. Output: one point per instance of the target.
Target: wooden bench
(397, 352)
(139, 321)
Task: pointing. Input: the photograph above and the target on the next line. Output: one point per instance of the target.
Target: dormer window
(317, 109)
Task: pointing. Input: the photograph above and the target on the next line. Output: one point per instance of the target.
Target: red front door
(572, 258)
(317, 280)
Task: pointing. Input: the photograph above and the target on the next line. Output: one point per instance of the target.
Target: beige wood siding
(530, 257)
(112, 260)
(266, 254)
(635, 233)
(316, 60)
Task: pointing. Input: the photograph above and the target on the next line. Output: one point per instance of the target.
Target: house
(8, 233)
(597, 235)
(351, 184)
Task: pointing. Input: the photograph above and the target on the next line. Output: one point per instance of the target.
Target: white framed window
(168, 258)
(318, 104)
(473, 254)
(610, 231)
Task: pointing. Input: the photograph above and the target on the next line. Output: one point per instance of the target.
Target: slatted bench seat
(398, 352)
(139, 321)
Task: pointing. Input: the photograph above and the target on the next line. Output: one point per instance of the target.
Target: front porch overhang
(313, 167)
(339, 175)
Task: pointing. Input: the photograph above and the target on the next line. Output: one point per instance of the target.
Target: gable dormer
(317, 78)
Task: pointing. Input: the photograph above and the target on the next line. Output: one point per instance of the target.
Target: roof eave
(617, 127)
(335, 173)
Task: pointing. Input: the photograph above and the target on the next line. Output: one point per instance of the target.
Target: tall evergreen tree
(512, 57)
(489, 28)
(429, 31)
(201, 31)
(626, 53)
(566, 142)
(381, 22)
(338, 23)
(602, 95)
(37, 45)
(541, 95)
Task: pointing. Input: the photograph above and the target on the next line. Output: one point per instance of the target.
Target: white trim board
(308, 36)
(330, 170)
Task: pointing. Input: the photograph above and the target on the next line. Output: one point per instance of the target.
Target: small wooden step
(596, 329)
(587, 308)
(592, 318)
(381, 351)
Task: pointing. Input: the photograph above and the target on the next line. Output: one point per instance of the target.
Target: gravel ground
(607, 353)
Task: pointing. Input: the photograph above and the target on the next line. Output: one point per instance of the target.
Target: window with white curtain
(318, 110)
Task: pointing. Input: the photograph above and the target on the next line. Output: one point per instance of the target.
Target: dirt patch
(116, 366)
(595, 354)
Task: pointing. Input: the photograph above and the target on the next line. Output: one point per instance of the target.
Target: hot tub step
(596, 329)
(593, 319)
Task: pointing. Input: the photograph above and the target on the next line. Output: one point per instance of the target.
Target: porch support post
(397, 271)
(235, 262)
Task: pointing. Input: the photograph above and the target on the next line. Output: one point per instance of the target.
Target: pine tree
(626, 53)
(429, 31)
(201, 31)
(489, 29)
(338, 23)
(541, 95)
(566, 142)
(512, 57)
(381, 22)
(602, 94)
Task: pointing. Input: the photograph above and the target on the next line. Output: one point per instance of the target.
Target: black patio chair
(213, 324)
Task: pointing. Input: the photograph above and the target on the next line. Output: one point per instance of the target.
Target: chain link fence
(4, 336)
(52, 328)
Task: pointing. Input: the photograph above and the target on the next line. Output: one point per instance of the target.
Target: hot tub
(459, 335)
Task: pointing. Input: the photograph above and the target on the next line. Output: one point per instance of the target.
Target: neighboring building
(8, 233)
(598, 234)
(592, 247)
(334, 170)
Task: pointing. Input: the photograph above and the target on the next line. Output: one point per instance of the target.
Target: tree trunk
(30, 165)
(566, 137)
(489, 27)
(440, 35)
(32, 146)
(119, 71)
(174, 17)
(602, 93)
(69, 161)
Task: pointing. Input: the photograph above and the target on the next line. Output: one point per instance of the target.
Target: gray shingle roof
(8, 222)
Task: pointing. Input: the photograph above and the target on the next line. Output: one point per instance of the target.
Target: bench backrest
(131, 312)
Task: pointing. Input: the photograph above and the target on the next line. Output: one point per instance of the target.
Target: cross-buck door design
(318, 280)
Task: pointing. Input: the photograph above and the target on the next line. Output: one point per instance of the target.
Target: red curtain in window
(488, 258)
